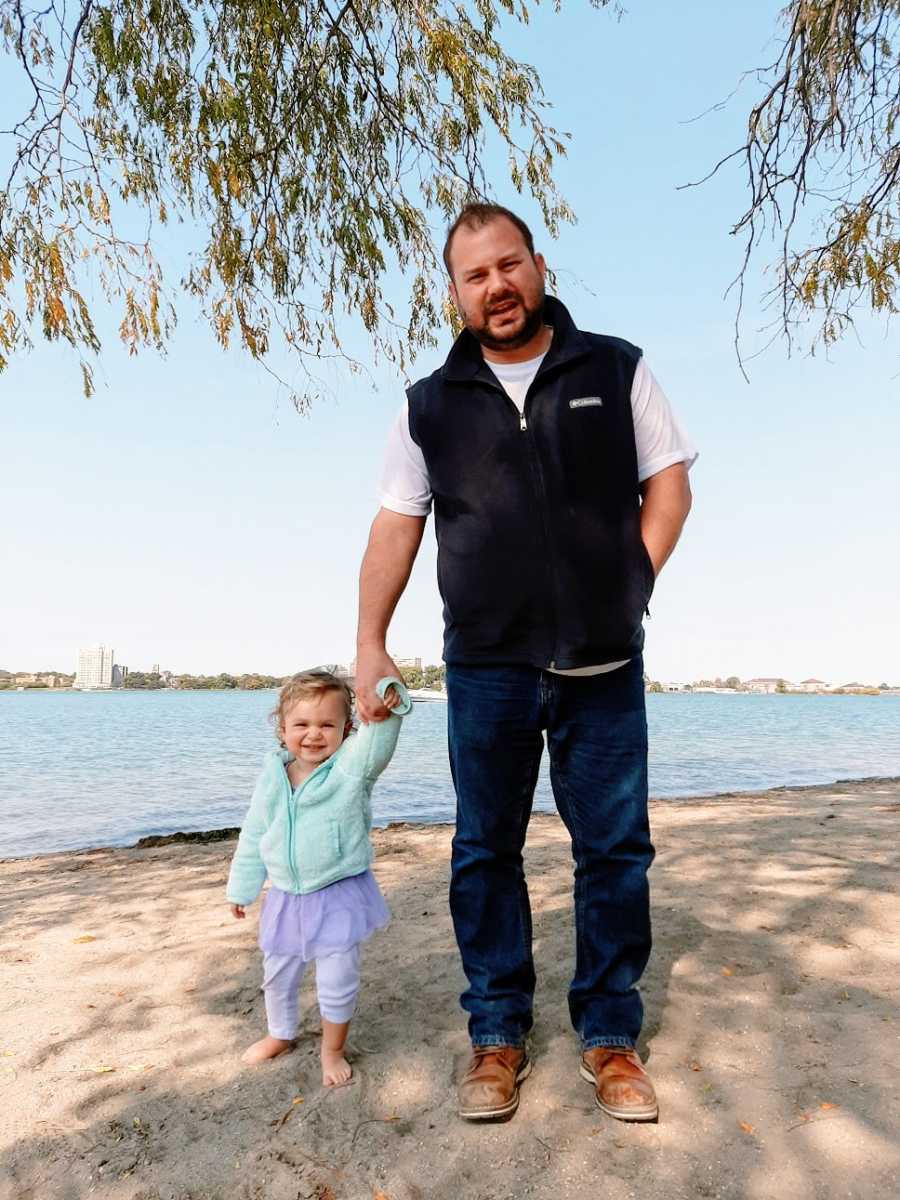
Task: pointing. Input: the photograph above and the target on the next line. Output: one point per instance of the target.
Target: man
(559, 482)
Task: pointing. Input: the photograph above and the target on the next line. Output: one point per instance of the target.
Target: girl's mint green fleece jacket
(306, 838)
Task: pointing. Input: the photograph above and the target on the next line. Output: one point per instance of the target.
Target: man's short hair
(475, 215)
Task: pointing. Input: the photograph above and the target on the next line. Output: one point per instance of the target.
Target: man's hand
(372, 665)
(237, 910)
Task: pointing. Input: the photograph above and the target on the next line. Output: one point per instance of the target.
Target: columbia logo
(586, 402)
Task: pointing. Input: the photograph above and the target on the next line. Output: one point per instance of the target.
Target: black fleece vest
(540, 557)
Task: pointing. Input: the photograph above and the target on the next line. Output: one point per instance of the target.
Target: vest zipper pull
(522, 424)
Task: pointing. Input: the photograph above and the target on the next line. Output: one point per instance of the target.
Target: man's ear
(540, 264)
(451, 288)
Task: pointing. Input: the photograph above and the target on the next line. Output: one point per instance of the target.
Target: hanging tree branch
(307, 144)
(822, 161)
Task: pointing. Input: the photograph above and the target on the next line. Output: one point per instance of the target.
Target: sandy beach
(771, 1026)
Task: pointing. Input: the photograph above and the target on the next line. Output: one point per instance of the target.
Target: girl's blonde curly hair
(306, 685)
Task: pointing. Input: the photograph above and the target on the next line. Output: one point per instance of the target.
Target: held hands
(371, 666)
(237, 911)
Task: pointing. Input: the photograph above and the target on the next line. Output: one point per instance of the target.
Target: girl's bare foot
(265, 1048)
(335, 1068)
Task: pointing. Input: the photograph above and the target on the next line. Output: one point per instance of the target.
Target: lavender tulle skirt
(328, 921)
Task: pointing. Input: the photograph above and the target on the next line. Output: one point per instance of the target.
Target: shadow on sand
(768, 1009)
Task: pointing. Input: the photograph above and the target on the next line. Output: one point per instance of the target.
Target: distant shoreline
(858, 692)
(230, 832)
(130, 691)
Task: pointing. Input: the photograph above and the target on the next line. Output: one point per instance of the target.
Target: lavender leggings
(337, 982)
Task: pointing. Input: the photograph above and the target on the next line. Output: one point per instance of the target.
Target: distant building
(401, 663)
(334, 669)
(97, 669)
(768, 684)
(50, 679)
(812, 685)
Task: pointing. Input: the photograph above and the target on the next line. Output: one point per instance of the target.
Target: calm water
(92, 769)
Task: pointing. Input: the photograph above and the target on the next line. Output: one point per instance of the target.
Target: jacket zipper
(291, 805)
(290, 830)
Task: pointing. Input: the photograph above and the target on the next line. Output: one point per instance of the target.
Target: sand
(129, 993)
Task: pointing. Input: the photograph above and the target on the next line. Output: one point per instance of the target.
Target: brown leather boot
(622, 1087)
(489, 1090)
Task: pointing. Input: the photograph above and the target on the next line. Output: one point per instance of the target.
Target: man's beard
(534, 320)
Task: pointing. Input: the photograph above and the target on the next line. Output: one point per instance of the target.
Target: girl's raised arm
(367, 752)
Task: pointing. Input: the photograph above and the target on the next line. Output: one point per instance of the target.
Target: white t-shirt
(659, 439)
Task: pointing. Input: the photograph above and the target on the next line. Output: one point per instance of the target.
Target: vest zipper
(542, 502)
(541, 493)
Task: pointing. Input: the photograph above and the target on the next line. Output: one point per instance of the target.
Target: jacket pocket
(318, 850)
(272, 842)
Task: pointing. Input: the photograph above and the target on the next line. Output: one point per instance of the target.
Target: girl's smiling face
(312, 729)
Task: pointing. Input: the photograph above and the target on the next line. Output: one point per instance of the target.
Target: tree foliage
(306, 144)
(142, 680)
(433, 677)
(822, 160)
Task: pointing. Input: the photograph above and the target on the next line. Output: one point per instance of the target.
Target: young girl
(307, 830)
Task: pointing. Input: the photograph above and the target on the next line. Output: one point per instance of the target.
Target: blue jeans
(597, 737)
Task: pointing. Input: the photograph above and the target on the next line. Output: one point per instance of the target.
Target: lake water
(103, 769)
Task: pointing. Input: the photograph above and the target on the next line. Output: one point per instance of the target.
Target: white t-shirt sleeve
(404, 484)
(659, 439)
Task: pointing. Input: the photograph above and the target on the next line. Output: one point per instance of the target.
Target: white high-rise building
(96, 668)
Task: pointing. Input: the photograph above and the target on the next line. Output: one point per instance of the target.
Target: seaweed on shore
(202, 835)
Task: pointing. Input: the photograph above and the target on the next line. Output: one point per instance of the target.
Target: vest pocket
(649, 573)
(442, 586)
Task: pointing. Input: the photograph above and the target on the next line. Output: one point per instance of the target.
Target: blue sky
(187, 515)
